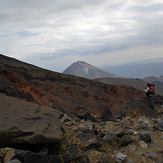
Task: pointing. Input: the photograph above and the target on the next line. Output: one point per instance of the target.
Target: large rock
(160, 122)
(96, 156)
(151, 155)
(126, 139)
(72, 152)
(145, 136)
(137, 108)
(15, 155)
(113, 140)
(114, 127)
(22, 122)
(89, 139)
(120, 157)
(14, 161)
(93, 113)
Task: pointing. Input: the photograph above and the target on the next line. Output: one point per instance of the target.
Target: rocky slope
(30, 133)
(132, 139)
(69, 94)
(47, 117)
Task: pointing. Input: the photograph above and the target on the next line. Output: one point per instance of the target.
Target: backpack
(152, 89)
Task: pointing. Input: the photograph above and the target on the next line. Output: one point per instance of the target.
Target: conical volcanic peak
(85, 70)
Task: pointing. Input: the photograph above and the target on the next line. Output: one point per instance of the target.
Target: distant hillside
(135, 83)
(138, 69)
(154, 80)
(85, 70)
(161, 78)
(150, 79)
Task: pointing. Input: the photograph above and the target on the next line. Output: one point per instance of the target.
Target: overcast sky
(55, 33)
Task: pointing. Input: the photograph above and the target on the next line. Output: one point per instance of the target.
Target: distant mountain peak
(80, 62)
(86, 70)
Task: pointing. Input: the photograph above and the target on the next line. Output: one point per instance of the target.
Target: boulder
(160, 151)
(160, 122)
(126, 139)
(103, 123)
(130, 161)
(14, 161)
(83, 128)
(95, 156)
(3, 152)
(121, 157)
(94, 113)
(145, 136)
(27, 123)
(137, 108)
(152, 142)
(144, 126)
(151, 155)
(72, 152)
(158, 100)
(114, 127)
(132, 146)
(113, 140)
(65, 118)
(89, 139)
(143, 144)
(147, 121)
(18, 156)
(84, 159)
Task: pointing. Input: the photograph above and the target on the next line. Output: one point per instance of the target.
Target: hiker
(150, 91)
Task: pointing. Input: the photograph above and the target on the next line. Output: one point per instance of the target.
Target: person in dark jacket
(149, 93)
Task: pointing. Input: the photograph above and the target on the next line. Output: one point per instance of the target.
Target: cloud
(79, 29)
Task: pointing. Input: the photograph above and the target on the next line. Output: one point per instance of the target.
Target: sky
(53, 34)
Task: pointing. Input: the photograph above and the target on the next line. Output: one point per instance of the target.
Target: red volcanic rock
(8, 88)
(63, 92)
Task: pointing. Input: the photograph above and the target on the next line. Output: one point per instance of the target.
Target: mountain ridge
(153, 79)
